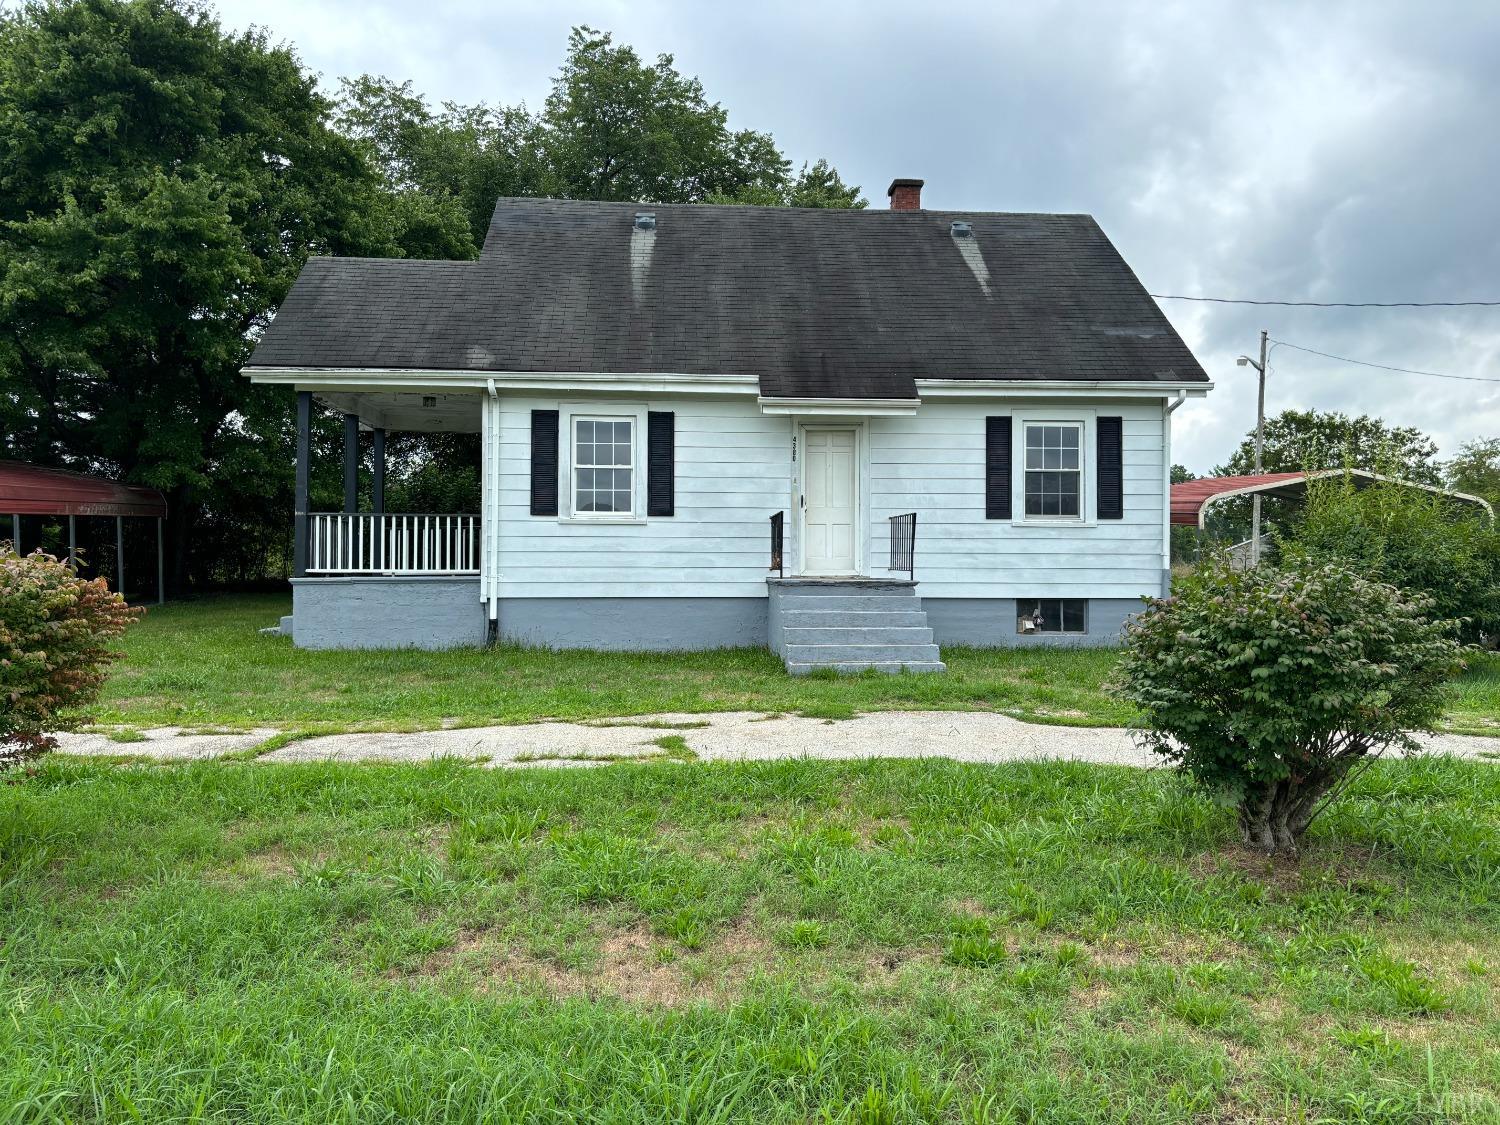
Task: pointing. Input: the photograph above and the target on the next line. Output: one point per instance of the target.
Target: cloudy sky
(1313, 151)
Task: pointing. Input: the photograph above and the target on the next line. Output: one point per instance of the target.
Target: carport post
(15, 533)
(351, 462)
(120, 555)
(73, 542)
(161, 565)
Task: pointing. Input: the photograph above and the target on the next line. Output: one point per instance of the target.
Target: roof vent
(961, 230)
(645, 220)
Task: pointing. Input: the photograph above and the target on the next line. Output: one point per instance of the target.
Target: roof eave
(1097, 388)
(809, 406)
(388, 378)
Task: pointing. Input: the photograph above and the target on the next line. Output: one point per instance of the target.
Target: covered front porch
(368, 577)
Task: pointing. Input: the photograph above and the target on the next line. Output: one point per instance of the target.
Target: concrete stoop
(850, 625)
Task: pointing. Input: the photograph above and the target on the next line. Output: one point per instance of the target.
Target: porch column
(300, 501)
(73, 542)
(15, 533)
(377, 482)
(161, 563)
(351, 462)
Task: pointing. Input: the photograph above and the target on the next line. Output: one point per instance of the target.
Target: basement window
(1052, 615)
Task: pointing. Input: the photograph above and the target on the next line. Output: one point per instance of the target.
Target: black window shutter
(544, 462)
(997, 468)
(661, 456)
(1108, 434)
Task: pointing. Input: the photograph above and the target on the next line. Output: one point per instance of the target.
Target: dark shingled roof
(812, 302)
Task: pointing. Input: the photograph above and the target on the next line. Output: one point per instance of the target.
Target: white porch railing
(371, 543)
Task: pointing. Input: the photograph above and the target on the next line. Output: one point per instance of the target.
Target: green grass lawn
(203, 664)
(784, 942)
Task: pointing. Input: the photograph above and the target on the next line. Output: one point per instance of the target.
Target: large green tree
(614, 127)
(161, 183)
(454, 162)
(621, 128)
(1476, 469)
(1315, 439)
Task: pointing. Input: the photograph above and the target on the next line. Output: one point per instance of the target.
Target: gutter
(489, 508)
(1166, 491)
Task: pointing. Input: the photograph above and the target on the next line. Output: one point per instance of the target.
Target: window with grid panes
(603, 466)
(1054, 469)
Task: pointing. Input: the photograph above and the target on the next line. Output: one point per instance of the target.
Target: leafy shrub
(53, 656)
(1268, 685)
(1419, 541)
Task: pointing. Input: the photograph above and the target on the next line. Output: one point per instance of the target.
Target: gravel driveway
(969, 736)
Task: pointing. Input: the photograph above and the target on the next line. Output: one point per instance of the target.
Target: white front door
(830, 490)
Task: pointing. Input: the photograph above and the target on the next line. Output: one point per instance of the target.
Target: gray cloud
(1343, 151)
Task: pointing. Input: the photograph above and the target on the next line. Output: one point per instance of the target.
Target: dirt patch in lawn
(271, 863)
(631, 964)
(1314, 868)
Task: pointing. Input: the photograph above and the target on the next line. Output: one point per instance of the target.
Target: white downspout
(1166, 498)
(489, 502)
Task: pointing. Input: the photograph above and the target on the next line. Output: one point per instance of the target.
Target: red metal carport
(30, 490)
(1192, 499)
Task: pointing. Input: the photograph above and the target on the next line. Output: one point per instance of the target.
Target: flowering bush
(54, 629)
(1268, 685)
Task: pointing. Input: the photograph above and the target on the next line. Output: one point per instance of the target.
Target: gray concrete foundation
(387, 612)
(634, 624)
(991, 623)
(445, 612)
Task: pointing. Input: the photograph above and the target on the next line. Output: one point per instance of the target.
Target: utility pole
(1260, 441)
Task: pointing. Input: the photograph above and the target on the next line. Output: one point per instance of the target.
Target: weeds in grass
(275, 742)
(675, 746)
(1406, 987)
(804, 934)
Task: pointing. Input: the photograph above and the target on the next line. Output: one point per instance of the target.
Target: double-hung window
(603, 466)
(1054, 470)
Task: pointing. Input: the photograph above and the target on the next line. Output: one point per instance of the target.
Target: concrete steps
(851, 625)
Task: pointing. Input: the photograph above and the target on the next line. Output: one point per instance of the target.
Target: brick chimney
(906, 195)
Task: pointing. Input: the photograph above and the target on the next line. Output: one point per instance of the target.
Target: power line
(1334, 304)
(1382, 366)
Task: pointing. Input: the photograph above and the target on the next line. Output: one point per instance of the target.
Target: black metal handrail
(778, 522)
(904, 544)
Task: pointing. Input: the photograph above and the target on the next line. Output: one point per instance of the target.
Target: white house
(710, 426)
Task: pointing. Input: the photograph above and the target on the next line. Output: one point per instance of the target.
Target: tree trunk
(1274, 817)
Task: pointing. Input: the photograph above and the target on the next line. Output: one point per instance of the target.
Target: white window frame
(571, 413)
(1083, 421)
(1025, 606)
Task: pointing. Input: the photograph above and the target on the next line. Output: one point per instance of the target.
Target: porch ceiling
(415, 411)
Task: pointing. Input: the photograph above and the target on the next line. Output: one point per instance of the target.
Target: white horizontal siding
(734, 471)
(932, 463)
